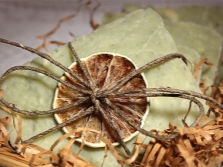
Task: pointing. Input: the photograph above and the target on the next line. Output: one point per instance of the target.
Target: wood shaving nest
(200, 146)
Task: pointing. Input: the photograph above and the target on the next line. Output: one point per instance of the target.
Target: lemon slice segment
(105, 70)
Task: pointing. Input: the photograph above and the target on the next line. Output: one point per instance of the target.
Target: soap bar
(206, 41)
(142, 37)
(203, 15)
(207, 16)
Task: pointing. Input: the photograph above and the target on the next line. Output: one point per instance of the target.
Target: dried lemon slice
(104, 70)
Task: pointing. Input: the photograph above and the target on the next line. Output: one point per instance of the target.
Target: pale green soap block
(142, 37)
(110, 16)
(207, 16)
(33, 91)
(205, 41)
(128, 8)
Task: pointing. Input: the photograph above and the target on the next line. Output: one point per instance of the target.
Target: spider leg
(109, 103)
(112, 126)
(120, 83)
(35, 113)
(130, 109)
(116, 110)
(45, 56)
(175, 92)
(89, 80)
(171, 94)
(80, 114)
(42, 72)
(191, 93)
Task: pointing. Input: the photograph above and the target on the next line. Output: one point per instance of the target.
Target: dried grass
(94, 25)
(200, 146)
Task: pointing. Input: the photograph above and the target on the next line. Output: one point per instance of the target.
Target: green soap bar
(205, 41)
(142, 37)
(207, 16)
(110, 16)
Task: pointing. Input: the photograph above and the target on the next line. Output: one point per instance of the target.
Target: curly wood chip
(136, 152)
(221, 89)
(188, 155)
(42, 159)
(198, 66)
(9, 159)
(146, 154)
(105, 155)
(19, 130)
(8, 156)
(45, 44)
(4, 123)
(1, 93)
(1, 106)
(198, 146)
(76, 161)
(93, 24)
(160, 156)
(47, 35)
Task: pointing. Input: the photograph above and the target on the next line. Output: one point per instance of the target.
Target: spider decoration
(119, 108)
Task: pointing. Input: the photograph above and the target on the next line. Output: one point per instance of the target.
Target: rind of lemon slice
(105, 70)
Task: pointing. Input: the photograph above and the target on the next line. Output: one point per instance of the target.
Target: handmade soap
(207, 42)
(142, 37)
(207, 16)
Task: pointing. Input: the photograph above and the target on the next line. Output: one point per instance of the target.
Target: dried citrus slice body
(104, 70)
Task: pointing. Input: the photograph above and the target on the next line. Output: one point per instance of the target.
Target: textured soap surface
(205, 41)
(203, 15)
(142, 37)
(181, 25)
(207, 16)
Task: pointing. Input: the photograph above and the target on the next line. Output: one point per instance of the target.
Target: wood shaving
(45, 44)
(200, 146)
(197, 146)
(94, 25)
(54, 30)
(30, 154)
(47, 35)
(202, 61)
(198, 66)
(1, 106)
